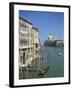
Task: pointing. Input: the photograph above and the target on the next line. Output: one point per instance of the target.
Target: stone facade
(53, 41)
(28, 42)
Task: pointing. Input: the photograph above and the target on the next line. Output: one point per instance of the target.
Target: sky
(47, 22)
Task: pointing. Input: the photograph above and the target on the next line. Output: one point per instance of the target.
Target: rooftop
(25, 20)
(36, 28)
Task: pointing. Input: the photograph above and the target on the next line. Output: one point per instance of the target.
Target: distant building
(28, 40)
(53, 41)
(59, 42)
(51, 37)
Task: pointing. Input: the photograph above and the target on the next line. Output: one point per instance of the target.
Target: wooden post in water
(27, 72)
(39, 60)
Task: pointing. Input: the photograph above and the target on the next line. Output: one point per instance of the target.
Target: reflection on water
(52, 65)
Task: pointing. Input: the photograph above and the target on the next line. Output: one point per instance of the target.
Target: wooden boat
(59, 53)
(42, 72)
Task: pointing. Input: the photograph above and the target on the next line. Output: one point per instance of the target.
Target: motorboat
(59, 53)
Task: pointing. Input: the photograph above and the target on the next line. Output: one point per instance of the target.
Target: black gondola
(42, 72)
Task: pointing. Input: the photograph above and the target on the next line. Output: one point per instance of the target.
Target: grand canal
(53, 60)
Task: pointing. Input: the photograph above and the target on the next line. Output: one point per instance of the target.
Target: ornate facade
(28, 42)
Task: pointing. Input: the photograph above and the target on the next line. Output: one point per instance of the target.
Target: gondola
(42, 72)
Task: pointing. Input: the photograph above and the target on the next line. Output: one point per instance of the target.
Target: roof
(36, 28)
(60, 40)
(25, 20)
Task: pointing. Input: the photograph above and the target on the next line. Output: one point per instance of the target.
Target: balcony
(23, 31)
(25, 46)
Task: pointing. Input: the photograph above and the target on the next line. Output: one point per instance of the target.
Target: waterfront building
(35, 38)
(50, 37)
(53, 41)
(28, 41)
(59, 43)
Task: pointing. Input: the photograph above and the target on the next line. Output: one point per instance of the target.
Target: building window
(23, 57)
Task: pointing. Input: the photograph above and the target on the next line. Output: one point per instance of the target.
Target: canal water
(54, 61)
